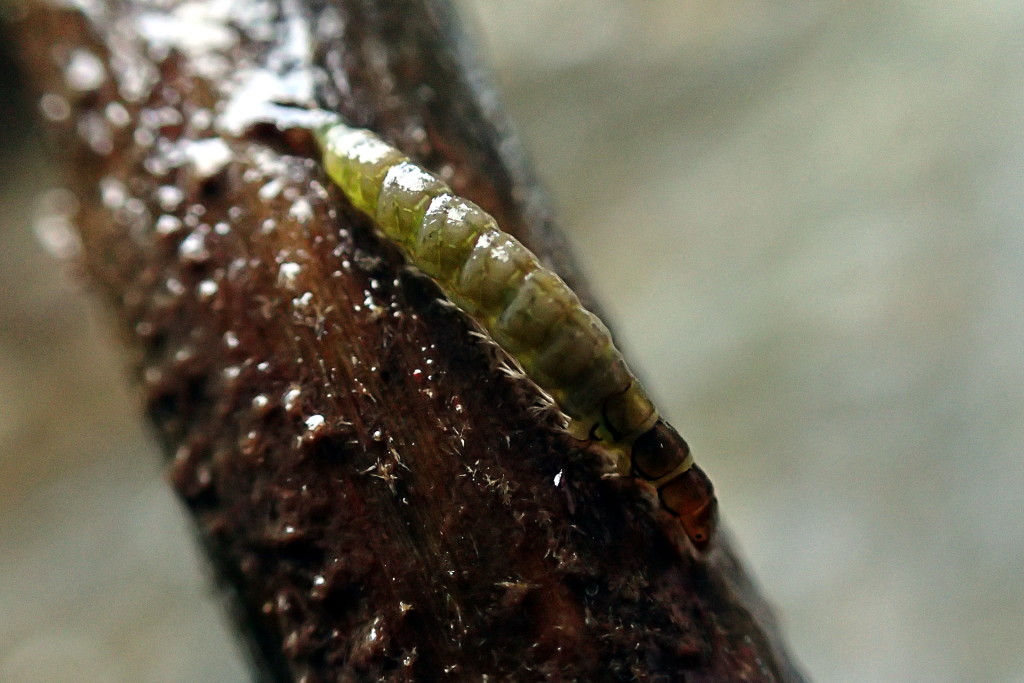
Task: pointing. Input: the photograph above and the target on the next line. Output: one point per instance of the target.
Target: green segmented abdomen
(490, 275)
(527, 309)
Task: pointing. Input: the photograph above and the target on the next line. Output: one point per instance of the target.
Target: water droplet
(95, 131)
(208, 157)
(271, 189)
(261, 404)
(207, 289)
(167, 224)
(160, 118)
(291, 399)
(117, 115)
(169, 197)
(136, 78)
(288, 274)
(193, 248)
(145, 138)
(112, 193)
(174, 286)
(201, 119)
(301, 211)
(54, 107)
(84, 71)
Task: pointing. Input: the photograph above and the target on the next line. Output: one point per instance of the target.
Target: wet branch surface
(382, 500)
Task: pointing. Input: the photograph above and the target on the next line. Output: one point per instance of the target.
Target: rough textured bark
(384, 502)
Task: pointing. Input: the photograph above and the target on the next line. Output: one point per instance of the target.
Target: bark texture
(384, 502)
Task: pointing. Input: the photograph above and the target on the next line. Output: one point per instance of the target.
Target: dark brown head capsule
(691, 497)
(662, 457)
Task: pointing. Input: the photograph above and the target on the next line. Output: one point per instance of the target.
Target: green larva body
(526, 308)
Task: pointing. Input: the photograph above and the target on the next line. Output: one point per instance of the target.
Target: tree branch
(383, 501)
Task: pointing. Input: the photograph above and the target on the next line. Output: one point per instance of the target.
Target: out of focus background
(805, 220)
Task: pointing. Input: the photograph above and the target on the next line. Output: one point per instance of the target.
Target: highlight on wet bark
(526, 309)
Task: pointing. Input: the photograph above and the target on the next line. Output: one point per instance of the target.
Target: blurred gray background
(804, 219)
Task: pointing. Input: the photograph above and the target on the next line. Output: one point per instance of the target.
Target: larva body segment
(538, 305)
(608, 377)
(630, 413)
(449, 231)
(405, 194)
(571, 348)
(360, 165)
(526, 309)
(492, 273)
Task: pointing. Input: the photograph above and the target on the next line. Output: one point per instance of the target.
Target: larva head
(662, 457)
(691, 497)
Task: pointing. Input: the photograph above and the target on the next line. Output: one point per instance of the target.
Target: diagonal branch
(382, 500)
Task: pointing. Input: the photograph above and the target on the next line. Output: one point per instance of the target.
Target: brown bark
(382, 500)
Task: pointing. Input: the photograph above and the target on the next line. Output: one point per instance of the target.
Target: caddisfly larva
(526, 309)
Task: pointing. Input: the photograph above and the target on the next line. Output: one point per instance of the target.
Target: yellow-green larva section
(527, 309)
(405, 194)
(360, 171)
(447, 235)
